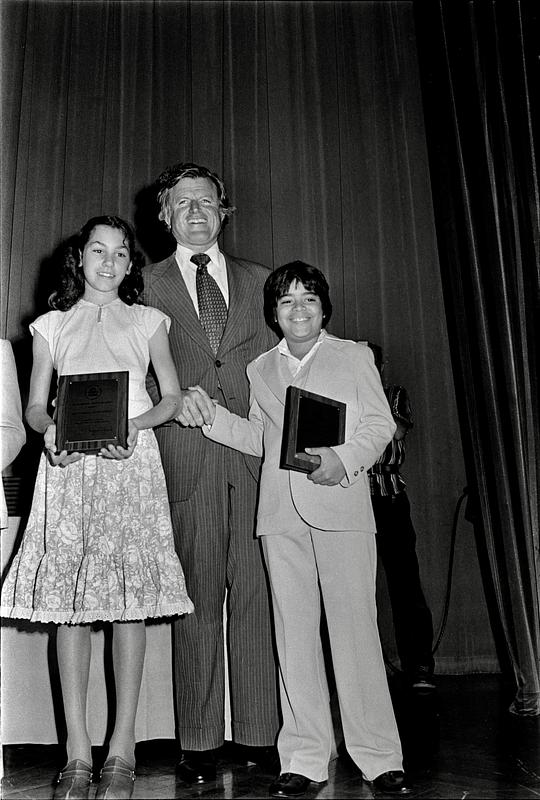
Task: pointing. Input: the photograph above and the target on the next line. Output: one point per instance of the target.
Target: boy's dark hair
(70, 284)
(278, 283)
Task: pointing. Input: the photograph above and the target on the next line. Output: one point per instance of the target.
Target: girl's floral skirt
(98, 544)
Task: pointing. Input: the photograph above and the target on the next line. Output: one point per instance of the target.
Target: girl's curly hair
(70, 283)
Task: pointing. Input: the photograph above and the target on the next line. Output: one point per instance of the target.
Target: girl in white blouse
(99, 545)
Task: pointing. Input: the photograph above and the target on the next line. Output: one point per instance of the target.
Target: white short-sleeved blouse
(113, 337)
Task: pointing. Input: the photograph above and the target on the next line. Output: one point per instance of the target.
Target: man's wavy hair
(279, 282)
(170, 177)
(70, 284)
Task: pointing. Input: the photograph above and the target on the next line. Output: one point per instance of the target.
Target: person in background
(99, 545)
(215, 303)
(318, 537)
(12, 433)
(396, 545)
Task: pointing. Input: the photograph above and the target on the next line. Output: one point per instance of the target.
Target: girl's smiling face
(106, 262)
(299, 314)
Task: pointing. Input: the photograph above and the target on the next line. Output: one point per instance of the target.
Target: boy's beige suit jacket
(345, 371)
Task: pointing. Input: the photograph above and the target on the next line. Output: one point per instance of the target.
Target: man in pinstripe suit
(212, 488)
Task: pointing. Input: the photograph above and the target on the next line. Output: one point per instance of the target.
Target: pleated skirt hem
(93, 615)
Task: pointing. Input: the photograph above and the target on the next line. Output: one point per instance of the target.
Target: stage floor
(459, 742)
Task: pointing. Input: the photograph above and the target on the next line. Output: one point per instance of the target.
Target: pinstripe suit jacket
(341, 369)
(185, 451)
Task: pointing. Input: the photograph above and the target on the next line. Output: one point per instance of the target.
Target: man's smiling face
(194, 213)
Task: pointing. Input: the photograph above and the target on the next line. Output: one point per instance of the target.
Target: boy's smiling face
(299, 314)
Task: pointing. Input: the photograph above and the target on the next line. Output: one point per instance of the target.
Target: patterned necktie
(212, 306)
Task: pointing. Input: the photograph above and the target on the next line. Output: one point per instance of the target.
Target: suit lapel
(269, 368)
(242, 287)
(316, 378)
(313, 377)
(173, 293)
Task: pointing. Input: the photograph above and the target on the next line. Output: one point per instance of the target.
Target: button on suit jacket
(185, 451)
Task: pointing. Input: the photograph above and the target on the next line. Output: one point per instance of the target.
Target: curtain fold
(476, 63)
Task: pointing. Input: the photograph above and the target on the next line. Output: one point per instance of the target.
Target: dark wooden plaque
(92, 411)
(311, 420)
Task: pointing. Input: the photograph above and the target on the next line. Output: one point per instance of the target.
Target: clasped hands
(198, 409)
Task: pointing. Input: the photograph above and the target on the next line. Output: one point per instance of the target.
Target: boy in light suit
(318, 537)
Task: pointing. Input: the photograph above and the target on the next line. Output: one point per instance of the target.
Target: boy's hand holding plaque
(92, 411)
(311, 420)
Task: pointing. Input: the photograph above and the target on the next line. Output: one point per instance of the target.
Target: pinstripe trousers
(215, 539)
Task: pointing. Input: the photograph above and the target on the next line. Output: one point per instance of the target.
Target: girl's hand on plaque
(120, 453)
(61, 459)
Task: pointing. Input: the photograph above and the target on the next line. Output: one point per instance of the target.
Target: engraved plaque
(311, 420)
(91, 411)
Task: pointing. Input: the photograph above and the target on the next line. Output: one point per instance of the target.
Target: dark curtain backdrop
(312, 113)
(479, 66)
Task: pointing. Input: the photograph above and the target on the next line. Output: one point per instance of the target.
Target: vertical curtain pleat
(303, 127)
(245, 131)
(475, 68)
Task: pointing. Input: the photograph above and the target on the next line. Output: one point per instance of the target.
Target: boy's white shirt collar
(296, 364)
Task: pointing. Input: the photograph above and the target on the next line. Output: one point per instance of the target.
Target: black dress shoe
(289, 785)
(393, 782)
(266, 758)
(197, 766)
(421, 680)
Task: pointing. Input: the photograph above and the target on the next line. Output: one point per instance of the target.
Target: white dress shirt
(295, 364)
(217, 268)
